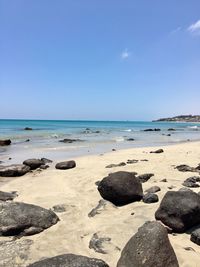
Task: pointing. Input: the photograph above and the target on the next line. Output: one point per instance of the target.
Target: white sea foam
(128, 130)
(119, 139)
(195, 127)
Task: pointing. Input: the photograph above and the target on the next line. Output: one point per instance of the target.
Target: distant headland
(182, 118)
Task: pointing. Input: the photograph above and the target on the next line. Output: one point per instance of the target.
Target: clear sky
(99, 59)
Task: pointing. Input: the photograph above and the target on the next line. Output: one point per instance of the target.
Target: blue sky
(99, 59)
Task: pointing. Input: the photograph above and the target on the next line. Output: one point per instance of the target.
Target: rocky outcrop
(65, 165)
(182, 118)
(179, 210)
(14, 170)
(17, 218)
(6, 142)
(121, 188)
(149, 247)
(69, 260)
(28, 129)
(152, 130)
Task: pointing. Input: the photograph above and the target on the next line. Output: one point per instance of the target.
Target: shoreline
(76, 189)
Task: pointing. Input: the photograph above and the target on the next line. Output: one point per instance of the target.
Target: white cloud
(194, 28)
(176, 30)
(125, 54)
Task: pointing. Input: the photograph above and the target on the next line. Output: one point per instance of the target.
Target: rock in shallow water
(6, 142)
(179, 210)
(17, 218)
(14, 170)
(121, 188)
(69, 260)
(149, 247)
(65, 165)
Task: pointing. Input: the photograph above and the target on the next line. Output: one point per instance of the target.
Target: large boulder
(65, 165)
(179, 210)
(121, 188)
(33, 163)
(69, 260)
(195, 236)
(6, 142)
(14, 170)
(17, 218)
(149, 247)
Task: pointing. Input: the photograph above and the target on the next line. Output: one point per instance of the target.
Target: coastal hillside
(182, 118)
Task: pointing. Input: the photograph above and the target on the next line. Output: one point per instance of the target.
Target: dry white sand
(77, 190)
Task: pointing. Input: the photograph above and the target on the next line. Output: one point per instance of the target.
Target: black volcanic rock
(121, 188)
(14, 170)
(17, 218)
(158, 151)
(33, 163)
(6, 142)
(69, 260)
(149, 247)
(65, 165)
(28, 129)
(179, 210)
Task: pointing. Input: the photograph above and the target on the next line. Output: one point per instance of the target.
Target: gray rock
(185, 168)
(45, 161)
(192, 182)
(179, 210)
(121, 188)
(4, 196)
(153, 189)
(149, 247)
(59, 208)
(116, 165)
(28, 129)
(65, 165)
(145, 177)
(6, 142)
(195, 236)
(44, 167)
(150, 198)
(33, 163)
(17, 218)
(69, 260)
(184, 189)
(96, 243)
(98, 208)
(69, 141)
(158, 151)
(14, 253)
(131, 161)
(14, 170)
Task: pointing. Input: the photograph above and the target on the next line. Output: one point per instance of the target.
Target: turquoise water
(96, 136)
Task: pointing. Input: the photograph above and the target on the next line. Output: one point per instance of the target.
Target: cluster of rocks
(69, 141)
(15, 170)
(192, 182)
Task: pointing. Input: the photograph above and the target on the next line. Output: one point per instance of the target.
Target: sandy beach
(76, 189)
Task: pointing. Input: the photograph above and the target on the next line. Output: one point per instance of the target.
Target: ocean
(94, 137)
